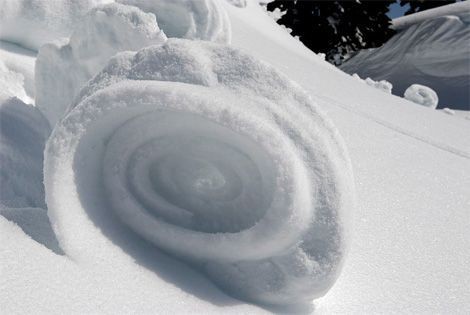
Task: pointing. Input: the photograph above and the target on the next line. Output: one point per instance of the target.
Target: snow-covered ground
(431, 48)
(409, 232)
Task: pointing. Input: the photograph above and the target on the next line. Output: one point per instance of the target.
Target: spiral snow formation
(212, 156)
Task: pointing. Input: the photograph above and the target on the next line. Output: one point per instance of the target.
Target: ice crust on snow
(61, 70)
(23, 134)
(430, 50)
(31, 24)
(212, 156)
(422, 95)
(202, 19)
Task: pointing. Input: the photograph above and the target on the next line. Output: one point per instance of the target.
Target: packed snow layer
(187, 146)
(17, 72)
(32, 23)
(201, 19)
(23, 133)
(422, 95)
(61, 70)
(433, 52)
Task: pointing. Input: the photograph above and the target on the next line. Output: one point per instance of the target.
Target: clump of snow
(448, 111)
(430, 48)
(201, 19)
(31, 24)
(422, 95)
(23, 133)
(61, 70)
(382, 85)
(214, 157)
(12, 84)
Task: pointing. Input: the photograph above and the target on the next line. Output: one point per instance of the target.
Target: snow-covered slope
(431, 48)
(411, 237)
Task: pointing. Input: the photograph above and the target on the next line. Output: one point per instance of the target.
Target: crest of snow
(23, 133)
(61, 70)
(31, 24)
(214, 157)
(433, 51)
(382, 85)
(201, 19)
(422, 95)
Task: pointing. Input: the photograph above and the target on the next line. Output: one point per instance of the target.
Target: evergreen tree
(336, 28)
(421, 5)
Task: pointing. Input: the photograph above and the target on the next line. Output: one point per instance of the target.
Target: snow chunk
(202, 19)
(382, 85)
(61, 70)
(31, 24)
(12, 84)
(212, 156)
(23, 133)
(422, 95)
(448, 111)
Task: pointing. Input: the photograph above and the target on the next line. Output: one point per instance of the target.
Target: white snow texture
(212, 156)
(32, 23)
(431, 49)
(61, 70)
(422, 95)
(201, 19)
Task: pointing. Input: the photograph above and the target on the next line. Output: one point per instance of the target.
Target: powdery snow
(214, 170)
(201, 19)
(422, 95)
(31, 24)
(430, 49)
(61, 70)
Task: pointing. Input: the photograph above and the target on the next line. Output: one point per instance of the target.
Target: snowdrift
(431, 48)
(198, 149)
(32, 24)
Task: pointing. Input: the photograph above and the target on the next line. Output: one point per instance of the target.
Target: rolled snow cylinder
(62, 69)
(201, 19)
(212, 156)
(422, 95)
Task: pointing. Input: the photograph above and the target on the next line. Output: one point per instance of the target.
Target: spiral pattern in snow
(212, 156)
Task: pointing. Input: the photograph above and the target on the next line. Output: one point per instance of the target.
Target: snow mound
(422, 95)
(31, 24)
(23, 133)
(382, 85)
(202, 19)
(212, 156)
(61, 70)
(433, 52)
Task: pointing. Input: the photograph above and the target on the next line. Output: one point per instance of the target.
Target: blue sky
(396, 10)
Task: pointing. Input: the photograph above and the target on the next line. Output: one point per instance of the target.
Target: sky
(396, 10)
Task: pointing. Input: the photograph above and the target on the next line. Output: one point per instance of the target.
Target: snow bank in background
(61, 70)
(433, 52)
(202, 19)
(382, 85)
(212, 156)
(422, 95)
(23, 133)
(33, 23)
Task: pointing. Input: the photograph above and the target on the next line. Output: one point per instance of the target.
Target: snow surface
(62, 69)
(32, 23)
(422, 95)
(411, 242)
(201, 19)
(431, 48)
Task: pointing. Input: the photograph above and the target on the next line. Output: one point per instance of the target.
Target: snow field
(188, 147)
(202, 19)
(62, 69)
(422, 95)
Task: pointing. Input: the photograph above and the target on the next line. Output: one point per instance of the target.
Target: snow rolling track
(201, 19)
(212, 156)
